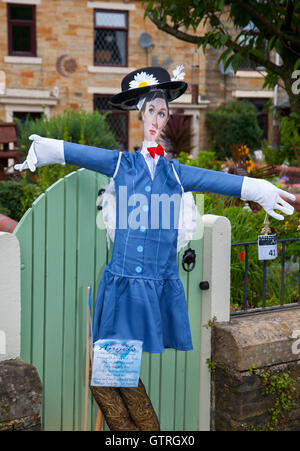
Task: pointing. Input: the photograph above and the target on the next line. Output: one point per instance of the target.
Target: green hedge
(10, 199)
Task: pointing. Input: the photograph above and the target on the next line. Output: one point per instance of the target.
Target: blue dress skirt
(140, 296)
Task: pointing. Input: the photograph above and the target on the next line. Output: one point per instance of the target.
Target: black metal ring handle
(189, 260)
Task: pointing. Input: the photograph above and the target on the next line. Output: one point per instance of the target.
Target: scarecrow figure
(140, 296)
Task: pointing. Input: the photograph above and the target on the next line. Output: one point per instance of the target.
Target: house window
(110, 38)
(251, 35)
(21, 30)
(117, 119)
(25, 116)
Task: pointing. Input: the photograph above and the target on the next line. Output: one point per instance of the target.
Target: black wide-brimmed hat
(141, 81)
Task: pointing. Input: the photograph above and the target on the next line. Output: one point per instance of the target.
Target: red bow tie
(158, 149)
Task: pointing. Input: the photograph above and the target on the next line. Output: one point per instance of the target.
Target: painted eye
(151, 110)
(162, 114)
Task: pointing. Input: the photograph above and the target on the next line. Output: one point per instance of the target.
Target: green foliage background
(233, 123)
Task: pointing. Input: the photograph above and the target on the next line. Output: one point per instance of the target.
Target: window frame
(254, 68)
(115, 112)
(31, 24)
(126, 29)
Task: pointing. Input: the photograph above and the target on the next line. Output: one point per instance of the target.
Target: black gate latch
(204, 285)
(189, 260)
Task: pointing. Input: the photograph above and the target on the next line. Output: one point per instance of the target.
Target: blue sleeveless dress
(140, 296)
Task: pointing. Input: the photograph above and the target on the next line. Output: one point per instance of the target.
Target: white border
(112, 5)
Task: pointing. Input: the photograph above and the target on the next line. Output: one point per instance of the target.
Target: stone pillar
(256, 361)
(20, 396)
(20, 385)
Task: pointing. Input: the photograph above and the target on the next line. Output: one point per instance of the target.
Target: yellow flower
(243, 150)
(249, 165)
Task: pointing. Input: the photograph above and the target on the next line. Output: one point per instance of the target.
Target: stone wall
(20, 396)
(256, 372)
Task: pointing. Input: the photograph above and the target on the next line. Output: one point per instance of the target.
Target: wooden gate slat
(69, 315)
(180, 380)
(38, 281)
(85, 277)
(193, 357)
(54, 306)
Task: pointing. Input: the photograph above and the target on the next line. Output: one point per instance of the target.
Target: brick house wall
(63, 73)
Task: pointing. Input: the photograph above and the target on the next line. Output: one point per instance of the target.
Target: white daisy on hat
(139, 82)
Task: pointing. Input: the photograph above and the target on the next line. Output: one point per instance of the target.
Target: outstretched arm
(257, 190)
(44, 151)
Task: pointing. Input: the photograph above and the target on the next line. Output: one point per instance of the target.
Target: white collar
(144, 150)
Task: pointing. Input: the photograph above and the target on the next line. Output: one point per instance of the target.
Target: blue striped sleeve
(94, 158)
(205, 180)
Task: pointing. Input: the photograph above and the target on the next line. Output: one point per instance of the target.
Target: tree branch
(193, 39)
(260, 20)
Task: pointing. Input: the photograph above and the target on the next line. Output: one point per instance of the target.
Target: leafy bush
(231, 124)
(207, 160)
(73, 126)
(10, 199)
(290, 138)
(273, 156)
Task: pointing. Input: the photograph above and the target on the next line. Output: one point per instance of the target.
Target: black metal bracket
(100, 192)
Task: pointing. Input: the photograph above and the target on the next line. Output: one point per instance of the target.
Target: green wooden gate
(62, 252)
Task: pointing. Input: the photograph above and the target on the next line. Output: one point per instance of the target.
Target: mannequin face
(155, 117)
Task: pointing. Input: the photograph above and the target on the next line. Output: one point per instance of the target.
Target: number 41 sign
(267, 247)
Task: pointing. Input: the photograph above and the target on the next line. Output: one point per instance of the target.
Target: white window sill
(23, 60)
(110, 70)
(251, 73)
(111, 5)
(24, 2)
(102, 90)
(253, 94)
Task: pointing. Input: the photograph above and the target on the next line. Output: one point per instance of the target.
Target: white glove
(268, 196)
(43, 151)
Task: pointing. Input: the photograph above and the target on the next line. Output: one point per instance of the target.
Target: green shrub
(290, 137)
(207, 160)
(272, 155)
(73, 126)
(233, 123)
(10, 199)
